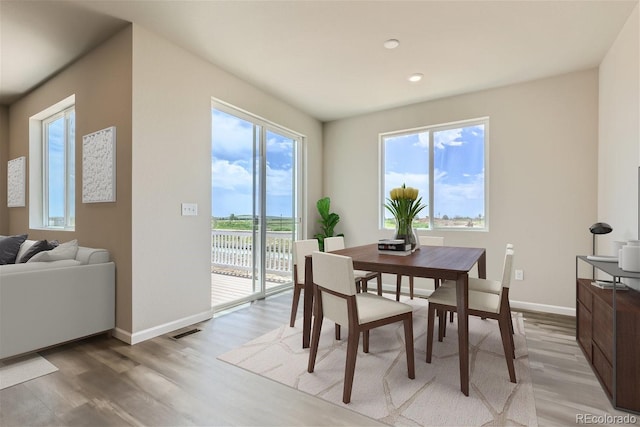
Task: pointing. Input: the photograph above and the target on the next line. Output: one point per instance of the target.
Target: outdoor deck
(230, 287)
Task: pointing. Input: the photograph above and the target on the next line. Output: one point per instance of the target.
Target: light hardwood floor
(169, 382)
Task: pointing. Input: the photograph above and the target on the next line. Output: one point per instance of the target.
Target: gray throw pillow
(37, 247)
(9, 248)
(65, 250)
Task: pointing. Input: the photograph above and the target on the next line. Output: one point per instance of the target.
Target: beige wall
(619, 135)
(542, 175)
(4, 158)
(172, 164)
(101, 82)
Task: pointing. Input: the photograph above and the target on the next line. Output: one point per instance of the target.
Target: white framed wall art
(99, 166)
(16, 176)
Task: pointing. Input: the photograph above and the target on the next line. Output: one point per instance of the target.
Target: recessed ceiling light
(416, 77)
(391, 44)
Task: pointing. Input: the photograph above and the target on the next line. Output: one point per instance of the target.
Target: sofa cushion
(65, 250)
(9, 248)
(6, 270)
(37, 247)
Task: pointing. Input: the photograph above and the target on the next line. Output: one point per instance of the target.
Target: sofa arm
(92, 255)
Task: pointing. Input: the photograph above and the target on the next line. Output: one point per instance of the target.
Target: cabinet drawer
(584, 330)
(602, 319)
(584, 295)
(603, 369)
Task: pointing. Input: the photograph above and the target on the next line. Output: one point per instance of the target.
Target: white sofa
(48, 303)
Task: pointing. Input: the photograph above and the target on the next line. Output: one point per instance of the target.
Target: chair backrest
(333, 243)
(431, 241)
(302, 248)
(335, 273)
(507, 268)
(507, 271)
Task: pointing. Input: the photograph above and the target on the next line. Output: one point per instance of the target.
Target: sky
(56, 170)
(232, 168)
(458, 169)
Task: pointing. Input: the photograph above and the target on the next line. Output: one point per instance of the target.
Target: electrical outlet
(519, 274)
(189, 209)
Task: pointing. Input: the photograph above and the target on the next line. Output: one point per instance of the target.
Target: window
(52, 167)
(447, 164)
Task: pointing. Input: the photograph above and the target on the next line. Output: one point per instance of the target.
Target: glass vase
(404, 231)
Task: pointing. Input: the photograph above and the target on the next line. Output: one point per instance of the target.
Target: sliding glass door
(254, 185)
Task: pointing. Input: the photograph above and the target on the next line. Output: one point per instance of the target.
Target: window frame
(431, 129)
(39, 166)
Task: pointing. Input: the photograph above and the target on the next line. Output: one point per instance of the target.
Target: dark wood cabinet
(614, 354)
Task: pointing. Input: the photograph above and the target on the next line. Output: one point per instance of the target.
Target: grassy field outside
(244, 222)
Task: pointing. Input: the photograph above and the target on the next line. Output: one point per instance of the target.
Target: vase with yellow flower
(404, 204)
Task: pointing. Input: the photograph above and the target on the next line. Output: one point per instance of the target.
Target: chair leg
(315, 339)
(431, 313)
(350, 366)
(441, 324)
(379, 280)
(451, 317)
(510, 317)
(365, 341)
(294, 304)
(410, 287)
(408, 340)
(337, 332)
(398, 286)
(507, 345)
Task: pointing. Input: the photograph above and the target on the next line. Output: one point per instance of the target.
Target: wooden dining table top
(443, 262)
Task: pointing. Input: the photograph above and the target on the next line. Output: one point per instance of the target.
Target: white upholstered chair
(336, 298)
(423, 241)
(301, 248)
(483, 285)
(362, 277)
(481, 304)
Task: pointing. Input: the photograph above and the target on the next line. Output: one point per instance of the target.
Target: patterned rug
(381, 388)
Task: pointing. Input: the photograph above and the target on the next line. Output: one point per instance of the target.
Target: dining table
(436, 262)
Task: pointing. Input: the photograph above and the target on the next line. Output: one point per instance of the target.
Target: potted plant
(328, 221)
(404, 204)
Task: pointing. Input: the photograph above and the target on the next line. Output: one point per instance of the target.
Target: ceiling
(327, 57)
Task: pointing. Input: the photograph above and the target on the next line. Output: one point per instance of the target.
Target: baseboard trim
(515, 305)
(146, 334)
(543, 308)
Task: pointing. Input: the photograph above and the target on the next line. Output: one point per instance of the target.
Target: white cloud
(230, 176)
(450, 137)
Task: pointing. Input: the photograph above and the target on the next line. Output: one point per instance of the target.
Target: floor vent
(184, 334)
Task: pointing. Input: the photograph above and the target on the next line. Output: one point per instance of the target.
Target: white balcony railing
(233, 249)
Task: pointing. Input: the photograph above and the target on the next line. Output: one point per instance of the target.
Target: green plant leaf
(323, 206)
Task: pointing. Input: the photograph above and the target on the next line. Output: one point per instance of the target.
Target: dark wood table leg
(482, 266)
(308, 302)
(462, 295)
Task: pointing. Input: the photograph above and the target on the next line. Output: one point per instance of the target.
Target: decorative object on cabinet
(99, 166)
(598, 228)
(607, 332)
(16, 182)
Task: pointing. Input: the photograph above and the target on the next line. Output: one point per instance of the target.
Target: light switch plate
(189, 209)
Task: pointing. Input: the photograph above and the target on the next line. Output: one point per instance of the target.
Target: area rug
(381, 388)
(21, 369)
